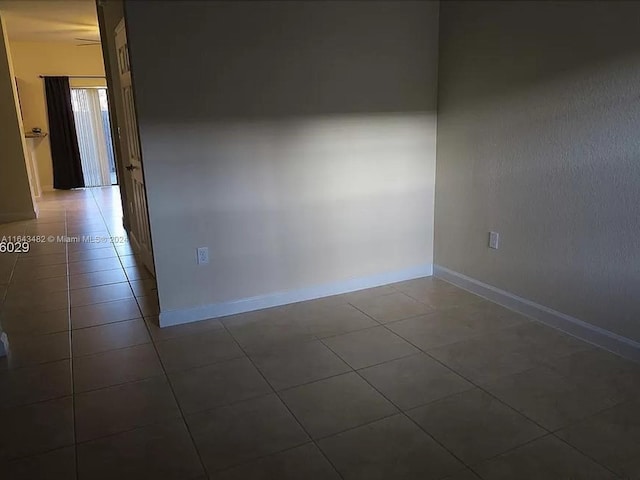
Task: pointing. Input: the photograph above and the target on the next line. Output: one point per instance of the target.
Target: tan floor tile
(218, 384)
(36, 428)
(101, 294)
(197, 350)
(95, 279)
(137, 273)
(485, 316)
(475, 426)
(115, 367)
(299, 363)
(393, 447)
(611, 437)
(42, 286)
(263, 331)
(368, 293)
(55, 465)
(365, 348)
(26, 350)
(40, 323)
(488, 357)
(391, 307)
(75, 247)
(148, 305)
(600, 369)
(550, 399)
(234, 434)
(92, 254)
(416, 380)
(144, 287)
(463, 475)
(433, 330)
(335, 320)
(104, 313)
(41, 261)
(131, 261)
(305, 462)
(23, 275)
(424, 284)
(27, 304)
(162, 452)
(87, 266)
(123, 407)
(546, 457)
(101, 338)
(330, 406)
(35, 384)
(449, 299)
(176, 331)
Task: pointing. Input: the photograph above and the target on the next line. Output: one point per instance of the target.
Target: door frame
(113, 89)
(116, 104)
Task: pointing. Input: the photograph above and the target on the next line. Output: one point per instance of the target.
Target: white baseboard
(600, 337)
(177, 317)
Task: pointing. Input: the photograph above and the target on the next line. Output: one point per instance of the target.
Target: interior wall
(32, 59)
(538, 140)
(16, 199)
(296, 140)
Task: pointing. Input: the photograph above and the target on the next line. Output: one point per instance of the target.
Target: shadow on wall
(531, 43)
(537, 139)
(256, 60)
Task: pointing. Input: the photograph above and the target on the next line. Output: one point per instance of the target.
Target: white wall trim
(214, 310)
(578, 328)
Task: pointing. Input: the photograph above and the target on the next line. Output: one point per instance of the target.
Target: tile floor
(417, 380)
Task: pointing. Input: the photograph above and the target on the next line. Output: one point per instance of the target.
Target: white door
(138, 215)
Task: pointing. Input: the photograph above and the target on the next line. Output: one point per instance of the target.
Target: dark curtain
(65, 153)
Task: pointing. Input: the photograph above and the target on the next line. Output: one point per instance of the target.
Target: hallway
(416, 380)
(60, 302)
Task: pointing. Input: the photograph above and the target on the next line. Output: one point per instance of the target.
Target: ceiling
(50, 20)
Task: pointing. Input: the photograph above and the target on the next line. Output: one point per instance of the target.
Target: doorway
(116, 50)
(93, 129)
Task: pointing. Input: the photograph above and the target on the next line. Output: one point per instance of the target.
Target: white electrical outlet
(494, 240)
(202, 255)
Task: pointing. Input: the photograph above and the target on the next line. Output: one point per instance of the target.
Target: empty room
(295, 240)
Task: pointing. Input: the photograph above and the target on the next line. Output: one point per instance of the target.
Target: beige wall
(538, 139)
(16, 201)
(295, 139)
(33, 59)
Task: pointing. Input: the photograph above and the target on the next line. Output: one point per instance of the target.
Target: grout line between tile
(166, 376)
(108, 323)
(419, 426)
(277, 393)
(38, 454)
(476, 385)
(73, 392)
(284, 403)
